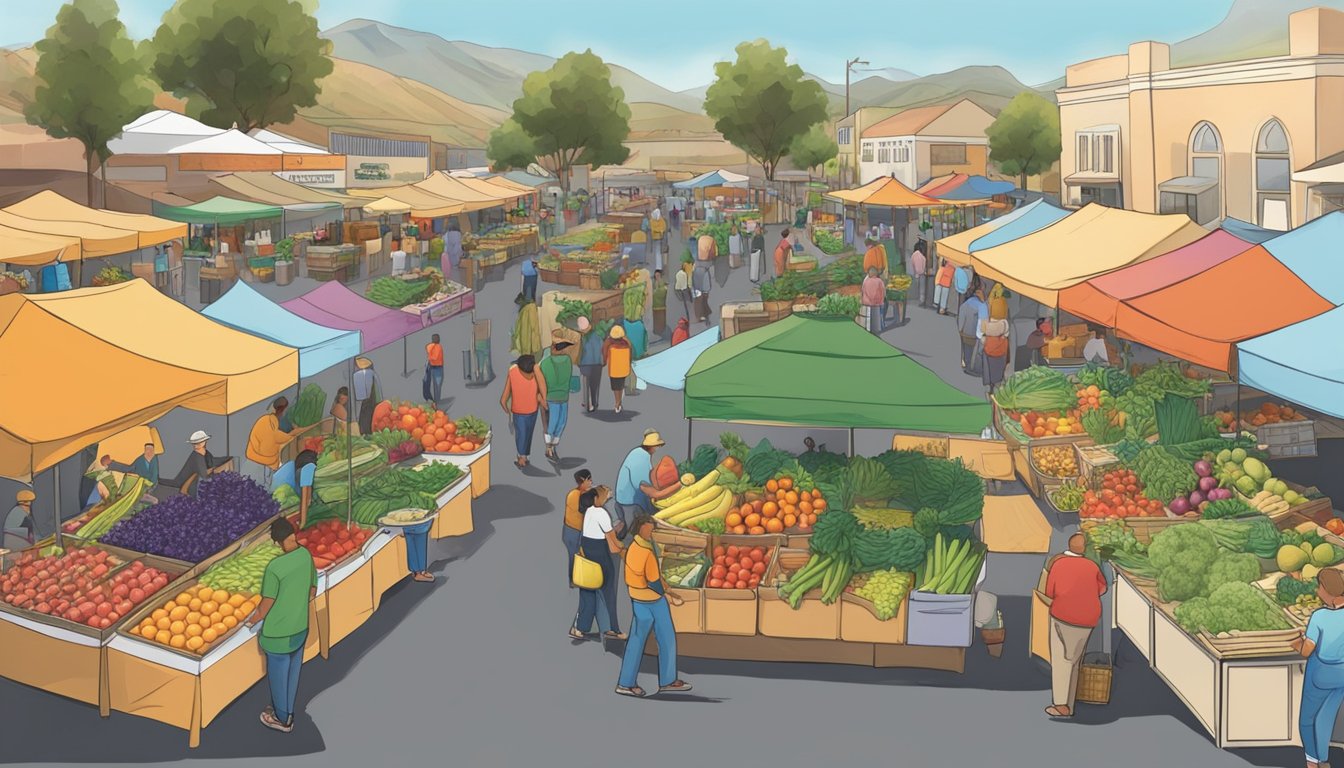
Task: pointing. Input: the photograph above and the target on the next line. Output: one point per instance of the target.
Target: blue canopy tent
(976, 188)
(668, 368)
(1244, 230)
(1315, 253)
(719, 178)
(243, 309)
(1293, 364)
(1011, 226)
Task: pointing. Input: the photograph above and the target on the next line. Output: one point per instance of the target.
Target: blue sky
(676, 42)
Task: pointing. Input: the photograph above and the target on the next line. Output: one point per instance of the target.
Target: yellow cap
(25, 495)
(617, 332)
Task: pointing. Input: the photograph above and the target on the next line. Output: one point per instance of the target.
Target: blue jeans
(556, 418)
(417, 547)
(653, 615)
(572, 538)
(530, 287)
(282, 673)
(436, 381)
(1322, 693)
(524, 424)
(592, 601)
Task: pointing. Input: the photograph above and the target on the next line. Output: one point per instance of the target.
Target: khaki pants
(1067, 646)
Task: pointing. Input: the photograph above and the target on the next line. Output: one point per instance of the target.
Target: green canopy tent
(218, 210)
(825, 372)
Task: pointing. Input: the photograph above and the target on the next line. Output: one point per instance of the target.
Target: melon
(665, 474)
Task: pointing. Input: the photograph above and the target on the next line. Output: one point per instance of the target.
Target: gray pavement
(476, 669)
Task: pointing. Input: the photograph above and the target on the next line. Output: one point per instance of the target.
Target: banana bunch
(704, 499)
(1269, 503)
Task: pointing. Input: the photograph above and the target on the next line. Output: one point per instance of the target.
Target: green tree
(250, 63)
(89, 80)
(573, 115)
(816, 147)
(510, 147)
(761, 103)
(1024, 140)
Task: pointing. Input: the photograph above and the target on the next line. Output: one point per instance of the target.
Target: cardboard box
(1074, 330)
(811, 620)
(730, 611)
(859, 622)
(689, 617)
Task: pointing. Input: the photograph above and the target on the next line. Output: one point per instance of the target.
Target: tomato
(718, 572)
(733, 552)
(719, 552)
(716, 583)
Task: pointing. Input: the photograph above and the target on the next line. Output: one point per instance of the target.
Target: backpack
(996, 346)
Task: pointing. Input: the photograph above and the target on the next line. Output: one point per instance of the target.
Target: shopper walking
(873, 292)
(734, 246)
(969, 317)
(1074, 586)
(557, 369)
(366, 393)
(757, 252)
(919, 267)
(682, 285)
(702, 282)
(452, 250)
(682, 332)
(943, 286)
(997, 342)
(783, 250)
(529, 280)
(524, 394)
(1323, 681)
(649, 604)
(617, 355)
(572, 530)
(590, 362)
(598, 544)
(267, 438)
(287, 586)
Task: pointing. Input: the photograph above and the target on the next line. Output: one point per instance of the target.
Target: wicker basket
(1094, 679)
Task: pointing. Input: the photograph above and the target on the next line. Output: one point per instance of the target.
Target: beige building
(848, 129)
(1216, 140)
(922, 143)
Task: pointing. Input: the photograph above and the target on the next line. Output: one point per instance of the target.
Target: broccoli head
(1194, 614)
(1189, 545)
(1242, 607)
(1177, 583)
(927, 521)
(1230, 567)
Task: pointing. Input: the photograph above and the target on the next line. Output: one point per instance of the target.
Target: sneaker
(269, 720)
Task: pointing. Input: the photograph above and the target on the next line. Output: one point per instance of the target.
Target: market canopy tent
(50, 206)
(95, 240)
(960, 187)
(241, 307)
(270, 189)
(716, 178)
(1091, 242)
(28, 249)
(65, 388)
(1315, 253)
(424, 204)
(825, 372)
(1020, 222)
(1097, 300)
(334, 306)
(460, 190)
(1248, 231)
(885, 192)
(386, 205)
(1289, 363)
(219, 210)
(141, 320)
(668, 368)
(1201, 318)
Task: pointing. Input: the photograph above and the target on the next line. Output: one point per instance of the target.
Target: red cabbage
(226, 506)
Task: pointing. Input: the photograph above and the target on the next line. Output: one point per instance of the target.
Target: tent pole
(404, 362)
(851, 442)
(690, 423)
(1238, 429)
(228, 424)
(56, 504)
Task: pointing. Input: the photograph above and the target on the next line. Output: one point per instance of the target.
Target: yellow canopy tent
(519, 189)
(453, 188)
(271, 189)
(29, 249)
(1091, 242)
(386, 205)
(54, 407)
(95, 240)
(49, 206)
(424, 204)
(139, 319)
(885, 192)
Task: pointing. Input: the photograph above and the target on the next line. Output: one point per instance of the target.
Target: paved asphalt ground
(476, 669)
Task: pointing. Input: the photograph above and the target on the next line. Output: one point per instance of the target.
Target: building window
(867, 152)
(1273, 172)
(1102, 194)
(947, 154)
(842, 136)
(370, 146)
(903, 153)
(1206, 162)
(884, 155)
(1097, 152)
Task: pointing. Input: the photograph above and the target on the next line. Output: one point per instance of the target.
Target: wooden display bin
(812, 618)
(730, 611)
(859, 624)
(689, 617)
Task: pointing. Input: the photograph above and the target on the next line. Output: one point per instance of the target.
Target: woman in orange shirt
(434, 358)
(943, 286)
(524, 394)
(617, 354)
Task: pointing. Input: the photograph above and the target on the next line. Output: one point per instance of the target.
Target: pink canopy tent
(1098, 300)
(335, 306)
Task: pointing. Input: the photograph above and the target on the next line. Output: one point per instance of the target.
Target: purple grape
(227, 506)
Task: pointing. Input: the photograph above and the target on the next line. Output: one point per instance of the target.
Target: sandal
(677, 686)
(575, 634)
(634, 692)
(613, 635)
(1058, 713)
(423, 577)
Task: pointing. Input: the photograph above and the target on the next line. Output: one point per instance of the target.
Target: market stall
(886, 192)
(1011, 226)
(1092, 241)
(244, 309)
(332, 305)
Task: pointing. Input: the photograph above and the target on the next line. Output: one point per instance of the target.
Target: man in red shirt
(1074, 586)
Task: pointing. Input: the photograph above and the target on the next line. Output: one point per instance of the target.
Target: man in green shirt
(288, 585)
(558, 369)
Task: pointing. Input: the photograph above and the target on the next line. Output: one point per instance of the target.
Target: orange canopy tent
(885, 192)
(50, 206)
(1184, 319)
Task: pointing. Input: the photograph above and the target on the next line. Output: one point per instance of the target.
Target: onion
(1203, 468)
(1196, 499)
(1180, 506)
(1207, 484)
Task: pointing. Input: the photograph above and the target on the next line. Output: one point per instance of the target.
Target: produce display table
(476, 463)
(441, 309)
(53, 659)
(454, 508)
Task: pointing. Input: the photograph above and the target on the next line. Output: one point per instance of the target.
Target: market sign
(334, 179)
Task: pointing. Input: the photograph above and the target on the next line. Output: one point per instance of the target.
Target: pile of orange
(196, 619)
(431, 428)
(1037, 424)
(781, 507)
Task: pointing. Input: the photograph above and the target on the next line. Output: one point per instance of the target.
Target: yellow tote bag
(587, 574)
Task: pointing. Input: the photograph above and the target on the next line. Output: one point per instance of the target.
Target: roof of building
(908, 122)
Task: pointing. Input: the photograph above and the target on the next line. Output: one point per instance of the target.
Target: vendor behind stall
(298, 475)
(145, 466)
(18, 532)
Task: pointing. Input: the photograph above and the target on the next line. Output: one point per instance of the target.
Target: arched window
(1206, 164)
(1206, 140)
(1273, 172)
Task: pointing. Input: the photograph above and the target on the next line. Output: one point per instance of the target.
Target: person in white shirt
(598, 544)
(1094, 351)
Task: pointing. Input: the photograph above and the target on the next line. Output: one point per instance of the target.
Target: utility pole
(848, 66)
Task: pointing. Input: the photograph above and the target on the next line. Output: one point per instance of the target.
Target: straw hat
(363, 362)
(25, 495)
(198, 437)
(617, 332)
(652, 439)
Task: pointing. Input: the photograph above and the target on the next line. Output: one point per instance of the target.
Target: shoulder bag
(586, 574)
